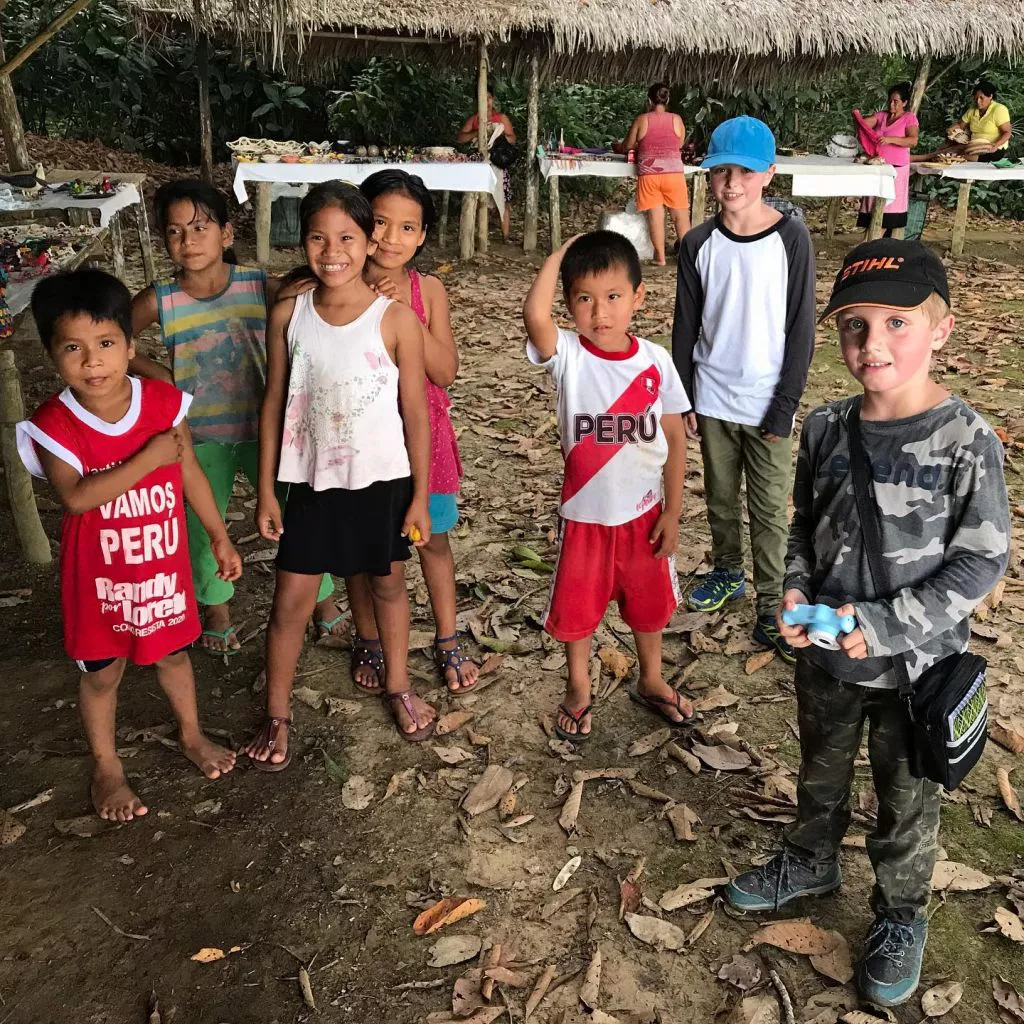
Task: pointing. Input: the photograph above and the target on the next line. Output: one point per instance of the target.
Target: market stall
(80, 194)
(967, 174)
(288, 169)
(812, 176)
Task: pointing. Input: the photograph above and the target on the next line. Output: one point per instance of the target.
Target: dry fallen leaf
(453, 754)
(653, 740)
(569, 869)
(758, 661)
(454, 949)
(306, 988)
(591, 987)
(952, 876)
(759, 1009)
(11, 830)
(1007, 997)
(488, 791)
(722, 759)
(1008, 793)
(357, 793)
(615, 662)
(1008, 738)
(397, 781)
(555, 904)
(445, 912)
(682, 819)
(717, 698)
(684, 757)
(941, 999)
(311, 698)
(451, 722)
(571, 808)
(656, 932)
(742, 972)
(690, 892)
(836, 963)
(208, 954)
(797, 935)
(86, 827)
(1010, 924)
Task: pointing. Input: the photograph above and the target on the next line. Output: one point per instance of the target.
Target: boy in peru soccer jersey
(620, 406)
(117, 452)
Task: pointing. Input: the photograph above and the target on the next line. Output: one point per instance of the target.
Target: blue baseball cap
(743, 141)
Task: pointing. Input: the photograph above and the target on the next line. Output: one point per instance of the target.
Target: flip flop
(220, 634)
(412, 737)
(367, 653)
(266, 735)
(657, 705)
(574, 737)
(325, 627)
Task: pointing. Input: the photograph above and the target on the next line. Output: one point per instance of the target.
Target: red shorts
(598, 564)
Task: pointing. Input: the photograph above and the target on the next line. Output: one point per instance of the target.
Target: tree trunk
(10, 122)
(920, 83)
(532, 171)
(205, 114)
(483, 130)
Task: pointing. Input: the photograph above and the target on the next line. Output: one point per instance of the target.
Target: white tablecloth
(294, 179)
(812, 175)
(972, 172)
(127, 195)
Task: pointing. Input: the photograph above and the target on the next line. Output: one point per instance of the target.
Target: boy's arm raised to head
(976, 556)
(540, 299)
(80, 494)
(799, 350)
(144, 314)
(440, 355)
(268, 509)
(199, 495)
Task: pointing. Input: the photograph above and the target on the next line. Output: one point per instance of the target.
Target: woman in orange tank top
(657, 137)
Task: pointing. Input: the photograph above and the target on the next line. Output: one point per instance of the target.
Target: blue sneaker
(890, 967)
(719, 586)
(766, 632)
(783, 879)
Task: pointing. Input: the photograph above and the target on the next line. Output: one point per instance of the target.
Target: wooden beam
(532, 170)
(700, 194)
(554, 213)
(117, 246)
(920, 82)
(35, 545)
(263, 222)
(467, 223)
(483, 131)
(835, 204)
(18, 158)
(205, 112)
(442, 224)
(48, 33)
(963, 201)
(875, 224)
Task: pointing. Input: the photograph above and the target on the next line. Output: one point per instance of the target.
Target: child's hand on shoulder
(268, 518)
(229, 561)
(665, 535)
(293, 289)
(795, 636)
(417, 522)
(855, 644)
(386, 287)
(166, 449)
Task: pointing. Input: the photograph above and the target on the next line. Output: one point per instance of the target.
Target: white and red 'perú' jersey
(609, 412)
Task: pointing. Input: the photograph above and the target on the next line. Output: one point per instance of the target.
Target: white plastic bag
(631, 224)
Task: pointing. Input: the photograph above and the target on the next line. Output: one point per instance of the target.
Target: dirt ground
(279, 867)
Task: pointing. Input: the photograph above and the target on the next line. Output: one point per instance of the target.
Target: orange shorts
(661, 190)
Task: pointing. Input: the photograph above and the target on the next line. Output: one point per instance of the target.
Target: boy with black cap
(937, 478)
(742, 340)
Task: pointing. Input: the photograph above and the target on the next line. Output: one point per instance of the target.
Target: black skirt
(344, 532)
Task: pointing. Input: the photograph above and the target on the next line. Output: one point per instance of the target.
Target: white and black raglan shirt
(743, 335)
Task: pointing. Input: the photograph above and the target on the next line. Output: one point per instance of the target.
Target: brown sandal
(266, 736)
(420, 734)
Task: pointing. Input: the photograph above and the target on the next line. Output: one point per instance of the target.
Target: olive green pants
(731, 452)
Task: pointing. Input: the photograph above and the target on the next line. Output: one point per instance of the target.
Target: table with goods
(287, 169)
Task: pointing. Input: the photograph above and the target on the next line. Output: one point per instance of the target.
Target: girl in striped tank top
(212, 315)
(344, 421)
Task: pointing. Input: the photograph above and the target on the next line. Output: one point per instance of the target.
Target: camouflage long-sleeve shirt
(938, 479)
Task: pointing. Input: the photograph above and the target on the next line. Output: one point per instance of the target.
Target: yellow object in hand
(414, 534)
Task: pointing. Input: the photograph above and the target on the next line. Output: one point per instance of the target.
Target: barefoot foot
(111, 795)
(210, 758)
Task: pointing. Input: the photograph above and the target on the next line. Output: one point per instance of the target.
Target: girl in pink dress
(889, 134)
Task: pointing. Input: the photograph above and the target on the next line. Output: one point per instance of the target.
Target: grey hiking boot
(783, 879)
(890, 967)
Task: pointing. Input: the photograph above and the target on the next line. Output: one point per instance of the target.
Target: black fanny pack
(503, 153)
(948, 706)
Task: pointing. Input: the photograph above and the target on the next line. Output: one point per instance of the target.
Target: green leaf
(334, 769)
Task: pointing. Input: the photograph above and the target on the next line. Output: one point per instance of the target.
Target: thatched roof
(611, 39)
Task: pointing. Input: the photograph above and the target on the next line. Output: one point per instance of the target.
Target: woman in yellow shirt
(983, 133)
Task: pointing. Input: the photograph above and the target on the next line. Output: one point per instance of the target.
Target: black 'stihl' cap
(887, 272)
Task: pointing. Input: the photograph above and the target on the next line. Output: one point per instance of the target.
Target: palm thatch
(749, 40)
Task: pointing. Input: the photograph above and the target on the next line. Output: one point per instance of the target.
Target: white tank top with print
(342, 426)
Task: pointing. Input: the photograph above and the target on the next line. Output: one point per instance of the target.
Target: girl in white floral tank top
(344, 422)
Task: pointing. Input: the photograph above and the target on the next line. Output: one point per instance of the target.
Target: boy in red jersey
(620, 406)
(119, 456)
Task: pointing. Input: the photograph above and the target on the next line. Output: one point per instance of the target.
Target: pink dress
(445, 465)
(869, 131)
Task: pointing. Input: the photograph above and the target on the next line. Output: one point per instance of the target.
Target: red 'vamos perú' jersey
(126, 582)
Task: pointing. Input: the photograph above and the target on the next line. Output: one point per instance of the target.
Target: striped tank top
(218, 353)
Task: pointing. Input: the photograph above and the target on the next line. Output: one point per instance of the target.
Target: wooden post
(145, 241)
(483, 131)
(467, 223)
(35, 545)
(47, 33)
(700, 193)
(442, 224)
(18, 158)
(899, 233)
(205, 113)
(532, 171)
(875, 224)
(920, 83)
(835, 204)
(554, 213)
(117, 246)
(263, 222)
(963, 200)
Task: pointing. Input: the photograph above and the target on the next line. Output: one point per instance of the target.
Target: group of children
(334, 405)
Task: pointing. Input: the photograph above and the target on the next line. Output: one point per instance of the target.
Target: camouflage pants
(902, 847)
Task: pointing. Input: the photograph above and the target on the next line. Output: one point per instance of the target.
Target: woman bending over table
(982, 134)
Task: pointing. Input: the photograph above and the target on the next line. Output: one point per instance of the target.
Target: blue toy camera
(823, 625)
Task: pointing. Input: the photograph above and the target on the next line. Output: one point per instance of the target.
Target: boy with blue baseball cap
(742, 341)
